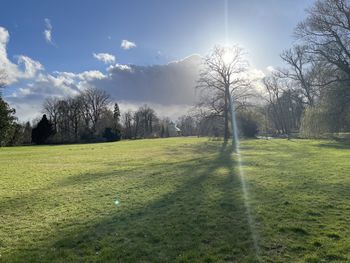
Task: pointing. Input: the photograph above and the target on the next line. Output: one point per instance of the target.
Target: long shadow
(315, 200)
(343, 144)
(28, 199)
(203, 219)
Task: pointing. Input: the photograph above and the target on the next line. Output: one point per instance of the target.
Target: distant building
(173, 130)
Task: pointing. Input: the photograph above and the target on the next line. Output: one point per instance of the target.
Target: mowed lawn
(176, 200)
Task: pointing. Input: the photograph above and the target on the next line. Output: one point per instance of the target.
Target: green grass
(180, 200)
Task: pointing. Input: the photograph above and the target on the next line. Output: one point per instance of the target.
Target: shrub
(316, 123)
(248, 123)
(111, 135)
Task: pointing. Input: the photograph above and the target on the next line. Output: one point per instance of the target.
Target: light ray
(235, 144)
(236, 150)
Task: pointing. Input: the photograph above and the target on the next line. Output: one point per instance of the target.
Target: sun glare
(227, 56)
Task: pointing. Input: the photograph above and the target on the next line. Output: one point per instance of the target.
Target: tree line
(91, 116)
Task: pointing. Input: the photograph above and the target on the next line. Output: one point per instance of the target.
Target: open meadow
(177, 199)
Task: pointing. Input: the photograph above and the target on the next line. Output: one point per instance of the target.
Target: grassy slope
(180, 200)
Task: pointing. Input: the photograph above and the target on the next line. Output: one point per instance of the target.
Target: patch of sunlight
(222, 171)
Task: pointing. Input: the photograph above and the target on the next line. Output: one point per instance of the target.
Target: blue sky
(162, 31)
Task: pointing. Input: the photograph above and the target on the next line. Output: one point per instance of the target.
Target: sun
(228, 56)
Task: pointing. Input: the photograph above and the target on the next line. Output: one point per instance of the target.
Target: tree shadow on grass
(301, 205)
(203, 219)
(340, 144)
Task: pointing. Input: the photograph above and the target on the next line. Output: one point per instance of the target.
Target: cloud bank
(169, 88)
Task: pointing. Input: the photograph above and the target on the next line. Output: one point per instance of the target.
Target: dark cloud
(173, 83)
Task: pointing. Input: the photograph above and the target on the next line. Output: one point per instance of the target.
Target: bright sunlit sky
(63, 36)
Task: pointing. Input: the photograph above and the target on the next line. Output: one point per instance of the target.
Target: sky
(138, 51)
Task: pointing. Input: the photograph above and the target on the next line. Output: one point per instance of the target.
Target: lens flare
(236, 151)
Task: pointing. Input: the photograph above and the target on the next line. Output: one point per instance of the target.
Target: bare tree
(148, 121)
(63, 120)
(274, 91)
(309, 74)
(187, 125)
(301, 72)
(127, 122)
(326, 32)
(83, 117)
(51, 108)
(223, 77)
(136, 118)
(284, 105)
(74, 115)
(94, 103)
(65, 115)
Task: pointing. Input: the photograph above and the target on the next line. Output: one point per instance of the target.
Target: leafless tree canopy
(326, 32)
(94, 102)
(304, 72)
(223, 76)
(284, 105)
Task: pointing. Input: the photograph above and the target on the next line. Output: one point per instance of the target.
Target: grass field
(180, 199)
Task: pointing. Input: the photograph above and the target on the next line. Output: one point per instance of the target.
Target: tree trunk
(226, 116)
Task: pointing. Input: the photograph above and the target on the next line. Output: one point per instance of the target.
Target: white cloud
(117, 66)
(4, 36)
(28, 100)
(254, 74)
(104, 57)
(91, 75)
(31, 67)
(9, 67)
(47, 35)
(24, 69)
(48, 31)
(270, 68)
(126, 44)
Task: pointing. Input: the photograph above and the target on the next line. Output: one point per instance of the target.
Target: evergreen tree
(116, 113)
(7, 120)
(162, 131)
(167, 134)
(42, 131)
(16, 135)
(117, 126)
